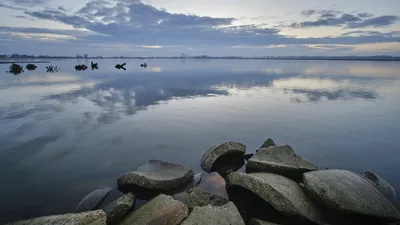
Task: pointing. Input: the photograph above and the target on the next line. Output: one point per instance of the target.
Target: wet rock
(93, 200)
(117, 209)
(348, 193)
(97, 217)
(201, 197)
(161, 210)
(281, 193)
(281, 160)
(384, 187)
(253, 221)
(227, 149)
(268, 143)
(156, 176)
(221, 215)
(113, 195)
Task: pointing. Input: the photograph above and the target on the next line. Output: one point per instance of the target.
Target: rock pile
(278, 187)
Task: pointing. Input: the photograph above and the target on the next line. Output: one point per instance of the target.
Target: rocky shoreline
(278, 187)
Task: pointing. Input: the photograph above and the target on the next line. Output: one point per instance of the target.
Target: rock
(117, 209)
(155, 175)
(349, 193)
(181, 196)
(268, 143)
(97, 217)
(218, 215)
(248, 156)
(201, 197)
(193, 183)
(281, 160)
(253, 221)
(227, 149)
(92, 200)
(284, 195)
(113, 195)
(161, 210)
(384, 187)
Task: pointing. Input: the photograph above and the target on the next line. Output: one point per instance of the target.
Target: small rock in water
(346, 192)
(218, 215)
(86, 218)
(31, 67)
(156, 176)
(15, 69)
(161, 210)
(93, 200)
(268, 143)
(201, 197)
(281, 160)
(384, 187)
(117, 209)
(223, 158)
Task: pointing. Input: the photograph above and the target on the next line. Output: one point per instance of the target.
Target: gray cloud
(29, 2)
(2, 5)
(375, 22)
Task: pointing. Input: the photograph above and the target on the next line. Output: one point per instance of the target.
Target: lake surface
(65, 134)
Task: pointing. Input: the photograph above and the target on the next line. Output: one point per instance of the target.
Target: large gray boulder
(211, 155)
(92, 200)
(118, 208)
(283, 194)
(218, 215)
(97, 217)
(201, 197)
(384, 187)
(349, 193)
(156, 175)
(161, 210)
(281, 160)
(268, 143)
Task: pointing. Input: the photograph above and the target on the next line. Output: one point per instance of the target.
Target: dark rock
(15, 69)
(120, 66)
(80, 67)
(31, 67)
(228, 149)
(281, 160)
(156, 176)
(97, 217)
(384, 187)
(161, 210)
(218, 215)
(93, 200)
(113, 195)
(201, 197)
(94, 66)
(348, 193)
(268, 143)
(248, 156)
(253, 221)
(284, 195)
(118, 209)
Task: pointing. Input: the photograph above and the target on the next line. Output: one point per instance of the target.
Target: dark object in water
(94, 66)
(52, 69)
(31, 67)
(120, 66)
(80, 67)
(15, 69)
(143, 65)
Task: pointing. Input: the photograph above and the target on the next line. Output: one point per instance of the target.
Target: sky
(200, 27)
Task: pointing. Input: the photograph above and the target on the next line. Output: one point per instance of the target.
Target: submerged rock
(93, 200)
(221, 215)
(161, 210)
(348, 193)
(217, 152)
(97, 217)
(281, 160)
(214, 183)
(156, 176)
(384, 187)
(283, 194)
(201, 197)
(182, 194)
(117, 209)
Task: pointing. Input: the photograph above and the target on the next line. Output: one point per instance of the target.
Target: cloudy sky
(197, 27)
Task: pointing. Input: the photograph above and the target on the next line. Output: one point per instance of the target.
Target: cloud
(375, 22)
(2, 5)
(29, 2)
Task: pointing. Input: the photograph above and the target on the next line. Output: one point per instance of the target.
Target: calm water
(65, 134)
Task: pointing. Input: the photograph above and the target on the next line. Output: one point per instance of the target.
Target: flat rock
(253, 221)
(349, 193)
(156, 175)
(97, 217)
(218, 215)
(211, 155)
(283, 194)
(268, 143)
(161, 210)
(281, 160)
(92, 200)
(384, 187)
(119, 208)
(201, 197)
